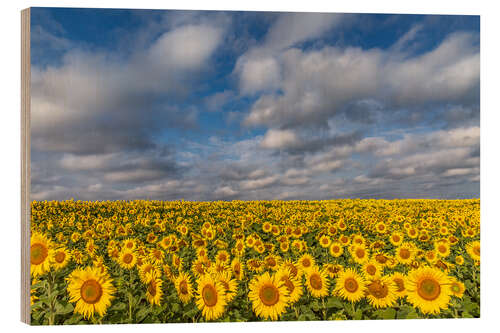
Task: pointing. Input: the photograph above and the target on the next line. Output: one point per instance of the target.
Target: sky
(212, 105)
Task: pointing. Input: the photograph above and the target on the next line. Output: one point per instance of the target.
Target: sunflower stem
(52, 313)
(324, 307)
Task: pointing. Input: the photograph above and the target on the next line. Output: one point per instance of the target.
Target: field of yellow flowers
(158, 261)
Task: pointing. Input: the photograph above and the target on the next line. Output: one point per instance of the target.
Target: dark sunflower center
(316, 281)
(59, 257)
(127, 258)
(429, 289)
(269, 295)
(293, 270)
(209, 295)
(371, 269)
(183, 287)
(152, 288)
(396, 238)
(381, 258)
(351, 285)
(360, 253)
(378, 289)
(400, 284)
(404, 253)
(91, 291)
(477, 250)
(288, 284)
(306, 262)
(455, 288)
(442, 249)
(38, 253)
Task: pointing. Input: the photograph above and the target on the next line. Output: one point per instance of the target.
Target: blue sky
(209, 105)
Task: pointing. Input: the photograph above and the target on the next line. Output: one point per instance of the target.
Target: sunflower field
(179, 261)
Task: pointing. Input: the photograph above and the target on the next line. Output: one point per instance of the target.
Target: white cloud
(316, 85)
(258, 183)
(258, 69)
(258, 74)
(276, 139)
(186, 47)
(225, 191)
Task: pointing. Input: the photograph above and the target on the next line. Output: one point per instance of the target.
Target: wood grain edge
(25, 165)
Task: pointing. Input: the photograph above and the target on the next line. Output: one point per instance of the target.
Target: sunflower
(250, 241)
(381, 292)
(219, 267)
(400, 280)
(272, 262)
(75, 237)
(428, 289)
(412, 233)
(239, 248)
(91, 248)
(92, 291)
(350, 285)
(359, 254)
(305, 262)
(223, 256)
(127, 259)
(177, 261)
(317, 282)
(144, 269)
(40, 254)
(325, 241)
(293, 268)
(405, 253)
(284, 246)
(381, 258)
(269, 296)
(238, 269)
(266, 227)
(396, 238)
(380, 227)
(154, 291)
(474, 250)
(371, 269)
(459, 260)
(210, 297)
(292, 284)
(358, 240)
(184, 287)
(332, 270)
(442, 249)
(336, 249)
(60, 258)
(255, 265)
(457, 288)
(344, 240)
(431, 257)
(130, 244)
(230, 285)
(156, 256)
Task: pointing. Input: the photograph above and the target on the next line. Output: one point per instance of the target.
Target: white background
(490, 152)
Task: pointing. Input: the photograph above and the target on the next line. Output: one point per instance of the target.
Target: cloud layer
(223, 106)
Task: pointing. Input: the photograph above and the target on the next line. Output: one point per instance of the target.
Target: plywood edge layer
(25, 165)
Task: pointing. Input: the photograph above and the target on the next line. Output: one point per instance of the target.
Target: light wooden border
(25, 165)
